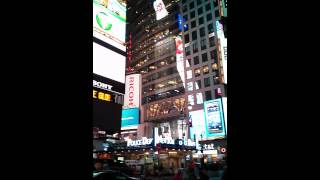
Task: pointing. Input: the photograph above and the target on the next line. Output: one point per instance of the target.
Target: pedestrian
(178, 176)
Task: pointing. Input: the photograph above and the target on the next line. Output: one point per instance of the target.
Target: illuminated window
(190, 86)
(189, 74)
(214, 66)
(197, 72)
(199, 98)
(204, 57)
(191, 99)
(198, 84)
(206, 69)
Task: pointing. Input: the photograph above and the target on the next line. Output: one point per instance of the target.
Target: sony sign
(132, 91)
(102, 85)
(144, 141)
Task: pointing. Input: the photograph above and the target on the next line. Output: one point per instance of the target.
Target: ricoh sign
(132, 91)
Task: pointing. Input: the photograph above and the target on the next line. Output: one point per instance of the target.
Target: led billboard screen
(198, 124)
(214, 118)
(108, 63)
(130, 118)
(109, 22)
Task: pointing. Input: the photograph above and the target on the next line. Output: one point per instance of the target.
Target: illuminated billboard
(223, 49)
(198, 124)
(130, 118)
(132, 91)
(109, 22)
(108, 63)
(214, 118)
(179, 58)
(160, 9)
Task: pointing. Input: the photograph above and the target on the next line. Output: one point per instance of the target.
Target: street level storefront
(212, 150)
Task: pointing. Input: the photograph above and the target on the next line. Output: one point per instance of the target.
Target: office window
(194, 35)
(208, 95)
(214, 66)
(206, 82)
(200, 11)
(202, 32)
(204, 57)
(185, 8)
(184, 1)
(193, 24)
(217, 13)
(209, 17)
(198, 84)
(196, 60)
(211, 41)
(199, 2)
(201, 21)
(215, 3)
(199, 98)
(203, 44)
(192, 14)
(191, 5)
(186, 38)
(190, 86)
(208, 7)
(186, 17)
(210, 28)
(205, 70)
(195, 47)
(197, 72)
(191, 99)
(189, 74)
(187, 49)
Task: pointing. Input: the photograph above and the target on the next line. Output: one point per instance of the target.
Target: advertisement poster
(214, 118)
(160, 9)
(109, 22)
(223, 49)
(130, 118)
(133, 93)
(179, 57)
(198, 125)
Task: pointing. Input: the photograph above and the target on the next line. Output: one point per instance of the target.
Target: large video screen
(214, 118)
(108, 63)
(109, 22)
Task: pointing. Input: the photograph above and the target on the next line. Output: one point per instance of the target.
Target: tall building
(153, 28)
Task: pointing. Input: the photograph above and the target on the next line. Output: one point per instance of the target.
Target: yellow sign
(102, 96)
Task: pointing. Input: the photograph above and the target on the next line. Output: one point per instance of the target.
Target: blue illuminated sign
(214, 118)
(130, 117)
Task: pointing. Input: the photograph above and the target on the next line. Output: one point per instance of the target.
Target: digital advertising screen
(130, 118)
(214, 118)
(108, 96)
(109, 22)
(198, 125)
(108, 63)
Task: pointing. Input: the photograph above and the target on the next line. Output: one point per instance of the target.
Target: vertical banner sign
(132, 91)
(214, 118)
(223, 49)
(160, 9)
(179, 57)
